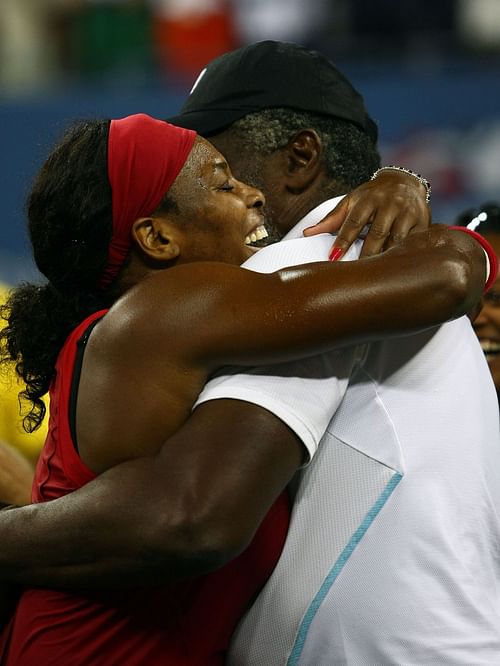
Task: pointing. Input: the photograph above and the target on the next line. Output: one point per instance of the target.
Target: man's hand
(392, 205)
(16, 476)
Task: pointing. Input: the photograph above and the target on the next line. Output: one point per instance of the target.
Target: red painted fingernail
(335, 254)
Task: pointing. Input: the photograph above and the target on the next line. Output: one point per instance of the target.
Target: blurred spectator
(479, 24)
(28, 58)
(285, 20)
(16, 476)
(460, 162)
(43, 42)
(11, 429)
(421, 28)
(480, 152)
(190, 33)
(110, 38)
(435, 153)
(18, 450)
(486, 221)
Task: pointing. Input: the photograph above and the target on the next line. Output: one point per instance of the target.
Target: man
(389, 560)
(302, 183)
(285, 83)
(486, 220)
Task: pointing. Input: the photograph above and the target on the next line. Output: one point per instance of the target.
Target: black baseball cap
(267, 75)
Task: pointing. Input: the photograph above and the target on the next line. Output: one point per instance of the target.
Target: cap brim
(212, 121)
(208, 121)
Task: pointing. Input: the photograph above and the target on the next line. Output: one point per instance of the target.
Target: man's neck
(313, 217)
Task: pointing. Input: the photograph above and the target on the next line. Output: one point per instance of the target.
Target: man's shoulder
(296, 251)
(290, 253)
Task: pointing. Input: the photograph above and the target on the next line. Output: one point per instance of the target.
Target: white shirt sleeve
(305, 393)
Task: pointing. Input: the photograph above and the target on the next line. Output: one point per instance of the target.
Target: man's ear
(157, 238)
(303, 160)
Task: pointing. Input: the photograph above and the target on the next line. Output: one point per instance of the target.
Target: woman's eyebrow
(221, 165)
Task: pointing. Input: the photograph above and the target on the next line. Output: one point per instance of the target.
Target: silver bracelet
(420, 178)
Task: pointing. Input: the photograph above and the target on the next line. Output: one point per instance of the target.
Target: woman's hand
(392, 206)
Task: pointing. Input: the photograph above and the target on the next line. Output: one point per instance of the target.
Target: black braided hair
(70, 225)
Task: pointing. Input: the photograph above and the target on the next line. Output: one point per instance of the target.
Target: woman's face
(219, 216)
(487, 323)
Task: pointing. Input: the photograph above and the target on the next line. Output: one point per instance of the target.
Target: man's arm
(188, 510)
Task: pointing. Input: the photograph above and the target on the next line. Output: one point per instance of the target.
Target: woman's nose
(255, 198)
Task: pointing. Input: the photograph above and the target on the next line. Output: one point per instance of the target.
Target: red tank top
(186, 624)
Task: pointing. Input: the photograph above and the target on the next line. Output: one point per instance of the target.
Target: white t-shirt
(393, 552)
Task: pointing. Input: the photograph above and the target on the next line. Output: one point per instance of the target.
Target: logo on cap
(200, 76)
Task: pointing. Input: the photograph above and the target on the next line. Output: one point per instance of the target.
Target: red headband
(145, 156)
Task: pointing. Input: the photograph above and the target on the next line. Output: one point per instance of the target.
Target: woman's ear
(303, 160)
(157, 238)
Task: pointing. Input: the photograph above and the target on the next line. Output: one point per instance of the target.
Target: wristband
(491, 256)
(423, 181)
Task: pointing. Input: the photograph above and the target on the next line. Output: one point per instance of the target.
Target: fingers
(332, 222)
(386, 231)
(358, 217)
(389, 208)
(402, 227)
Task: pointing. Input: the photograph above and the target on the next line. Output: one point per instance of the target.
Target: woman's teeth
(490, 348)
(256, 235)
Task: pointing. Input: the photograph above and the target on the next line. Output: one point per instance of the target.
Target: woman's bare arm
(250, 318)
(156, 348)
(195, 505)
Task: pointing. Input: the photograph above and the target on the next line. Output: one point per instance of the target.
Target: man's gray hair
(350, 157)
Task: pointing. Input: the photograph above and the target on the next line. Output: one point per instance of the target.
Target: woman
(126, 220)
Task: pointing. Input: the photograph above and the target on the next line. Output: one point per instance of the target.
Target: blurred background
(429, 72)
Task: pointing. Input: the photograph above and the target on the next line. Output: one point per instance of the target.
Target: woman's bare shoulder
(170, 304)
